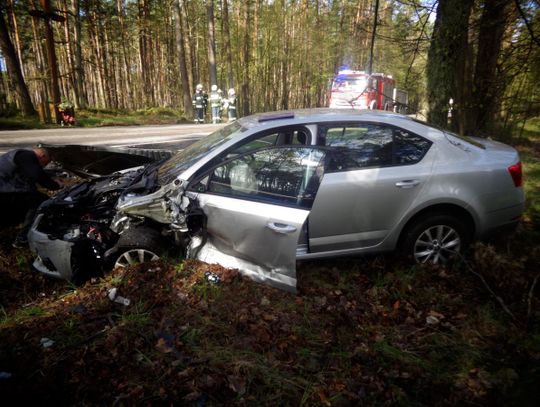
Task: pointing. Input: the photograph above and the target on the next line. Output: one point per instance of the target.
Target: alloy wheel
(135, 256)
(437, 244)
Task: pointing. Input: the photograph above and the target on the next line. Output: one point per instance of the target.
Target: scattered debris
(431, 320)
(113, 296)
(212, 278)
(46, 342)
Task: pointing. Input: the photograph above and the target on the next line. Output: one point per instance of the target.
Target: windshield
(347, 83)
(182, 160)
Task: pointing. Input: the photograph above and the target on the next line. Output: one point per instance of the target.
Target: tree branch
(529, 28)
(530, 296)
(499, 299)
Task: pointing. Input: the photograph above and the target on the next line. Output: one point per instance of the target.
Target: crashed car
(271, 189)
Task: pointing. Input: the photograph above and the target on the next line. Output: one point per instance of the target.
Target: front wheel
(134, 256)
(136, 246)
(436, 239)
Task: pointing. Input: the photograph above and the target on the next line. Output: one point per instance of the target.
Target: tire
(435, 238)
(137, 246)
(84, 262)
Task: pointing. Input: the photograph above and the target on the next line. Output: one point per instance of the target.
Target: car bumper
(504, 220)
(53, 255)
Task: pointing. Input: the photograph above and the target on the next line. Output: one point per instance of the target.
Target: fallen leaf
(162, 346)
(237, 384)
(431, 320)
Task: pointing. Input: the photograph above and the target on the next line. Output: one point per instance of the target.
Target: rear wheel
(436, 239)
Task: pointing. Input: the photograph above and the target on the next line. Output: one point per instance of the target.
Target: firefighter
(231, 105)
(222, 104)
(199, 103)
(215, 103)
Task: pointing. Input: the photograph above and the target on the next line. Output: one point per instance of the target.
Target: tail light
(517, 174)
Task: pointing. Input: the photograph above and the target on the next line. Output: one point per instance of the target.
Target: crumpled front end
(71, 232)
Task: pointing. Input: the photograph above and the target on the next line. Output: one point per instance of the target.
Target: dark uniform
(20, 171)
(199, 104)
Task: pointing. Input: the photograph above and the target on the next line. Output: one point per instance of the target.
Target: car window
(266, 141)
(409, 148)
(371, 145)
(281, 175)
(277, 137)
(366, 145)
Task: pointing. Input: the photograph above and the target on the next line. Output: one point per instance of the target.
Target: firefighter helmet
(198, 87)
(231, 92)
(214, 88)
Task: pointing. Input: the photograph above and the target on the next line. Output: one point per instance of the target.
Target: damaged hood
(92, 161)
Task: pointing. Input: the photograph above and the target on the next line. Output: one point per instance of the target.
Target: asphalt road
(169, 137)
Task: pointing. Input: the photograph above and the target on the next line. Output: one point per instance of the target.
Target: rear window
(467, 139)
(361, 145)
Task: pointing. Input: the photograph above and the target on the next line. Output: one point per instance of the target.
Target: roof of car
(316, 114)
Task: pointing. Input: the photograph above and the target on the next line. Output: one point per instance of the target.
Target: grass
(101, 117)
(21, 315)
(531, 172)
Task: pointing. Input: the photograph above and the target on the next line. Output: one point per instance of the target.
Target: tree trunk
(180, 49)
(128, 94)
(145, 51)
(245, 96)
(14, 70)
(51, 56)
(11, 5)
(448, 45)
(42, 93)
(493, 23)
(227, 43)
(82, 99)
(211, 42)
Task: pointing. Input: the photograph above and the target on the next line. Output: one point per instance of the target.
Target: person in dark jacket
(199, 100)
(20, 171)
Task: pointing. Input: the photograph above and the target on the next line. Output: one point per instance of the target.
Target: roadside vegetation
(360, 331)
(101, 117)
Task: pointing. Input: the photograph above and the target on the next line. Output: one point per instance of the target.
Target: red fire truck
(359, 90)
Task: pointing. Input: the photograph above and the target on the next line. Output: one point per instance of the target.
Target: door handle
(280, 227)
(409, 183)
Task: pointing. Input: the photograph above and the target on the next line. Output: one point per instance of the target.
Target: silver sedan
(274, 188)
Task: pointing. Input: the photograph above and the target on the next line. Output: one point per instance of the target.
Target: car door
(256, 205)
(377, 171)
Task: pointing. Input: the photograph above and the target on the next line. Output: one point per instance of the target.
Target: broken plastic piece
(46, 342)
(112, 294)
(212, 277)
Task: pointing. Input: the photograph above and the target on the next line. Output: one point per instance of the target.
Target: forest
(360, 331)
(143, 54)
